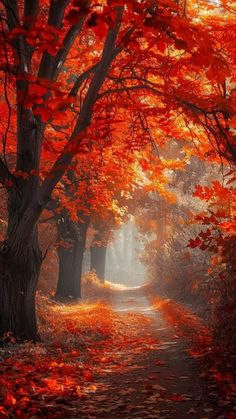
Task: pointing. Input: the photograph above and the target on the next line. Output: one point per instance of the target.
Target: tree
(89, 196)
(67, 69)
(20, 254)
(70, 250)
(98, 248)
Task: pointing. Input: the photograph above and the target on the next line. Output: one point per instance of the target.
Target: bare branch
(130, 88)
(79, 81)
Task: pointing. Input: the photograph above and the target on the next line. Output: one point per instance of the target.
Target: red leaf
(87, 375)
(194, 243)
(10, 400)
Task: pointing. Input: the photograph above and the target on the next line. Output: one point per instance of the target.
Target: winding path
(160, 382)
(177, 373)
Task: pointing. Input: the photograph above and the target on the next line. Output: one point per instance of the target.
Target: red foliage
(81, 343)
(186, 324)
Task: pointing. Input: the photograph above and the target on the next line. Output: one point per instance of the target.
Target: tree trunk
(18, 283)
(71, 257)
(98, 247)
(65, 274)
(20, 262)
(98, 260)
(79, 250)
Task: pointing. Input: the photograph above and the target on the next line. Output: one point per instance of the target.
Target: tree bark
(98, 248)
(18, 283)
(20, 257)
(98, 260)
(65, 275)
(70, 256)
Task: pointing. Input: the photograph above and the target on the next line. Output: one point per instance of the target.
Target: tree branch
(18, 43)
(12, 13)
(70, 37)
(6, 178)
(30, 13)
(50, 66)
(130, 88)
(84, 119)
(229, 146)
(79, 81)
(55, 18)
(81, 78)
(31, 215)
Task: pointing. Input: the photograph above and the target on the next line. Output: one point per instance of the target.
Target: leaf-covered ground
(125, 361)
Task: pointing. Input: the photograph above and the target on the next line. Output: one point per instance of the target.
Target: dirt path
(159, 381)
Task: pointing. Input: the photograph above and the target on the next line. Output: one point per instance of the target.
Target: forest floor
(129, 359)
(160, 379)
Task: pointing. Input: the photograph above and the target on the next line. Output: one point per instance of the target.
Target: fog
(122, 260)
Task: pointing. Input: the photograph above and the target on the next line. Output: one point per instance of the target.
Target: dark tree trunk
(17, 295)
(20, 264)
(71, 257)
(65, 275)
(20, 258)
(98, 247)
(98, 260)
(79, 250)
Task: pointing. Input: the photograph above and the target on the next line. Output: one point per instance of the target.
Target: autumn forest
(117, 209)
